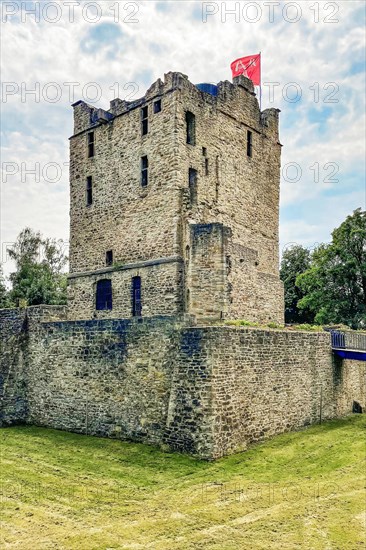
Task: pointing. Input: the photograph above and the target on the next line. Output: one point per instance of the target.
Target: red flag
(249, 66)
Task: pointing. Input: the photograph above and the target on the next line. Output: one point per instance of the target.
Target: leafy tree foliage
(39, 277)
(335, 285)
(295, 261)
(4, 293)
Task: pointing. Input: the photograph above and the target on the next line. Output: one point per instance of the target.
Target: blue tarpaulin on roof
(207, 88)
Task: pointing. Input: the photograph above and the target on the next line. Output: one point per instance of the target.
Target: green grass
(300, 490)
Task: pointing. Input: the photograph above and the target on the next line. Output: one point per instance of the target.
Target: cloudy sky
(313, 69)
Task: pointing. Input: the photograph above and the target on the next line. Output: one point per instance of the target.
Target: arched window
(104, 294)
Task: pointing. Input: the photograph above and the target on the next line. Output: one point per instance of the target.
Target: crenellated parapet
(230, 96)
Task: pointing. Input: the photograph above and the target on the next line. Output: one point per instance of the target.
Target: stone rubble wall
(206, 273)
(269, 382)
(102, 377)
(14, 358)
(208, 391)
(159, 294)
(237, 191)
(13, 366)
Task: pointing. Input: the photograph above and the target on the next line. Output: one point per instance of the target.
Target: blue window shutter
(104, 294)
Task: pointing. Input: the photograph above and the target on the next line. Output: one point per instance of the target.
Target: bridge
(349, 345)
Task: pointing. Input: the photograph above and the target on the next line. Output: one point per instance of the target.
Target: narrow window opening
(249, 143)
(136, 297)
(193, 185)
(206, 166)
(89, 190)
(109, 257)
(144, 120)
(91, 143)
(104, 295)
(157, 106)
(204, 151)
(144, 171)
(191, 128)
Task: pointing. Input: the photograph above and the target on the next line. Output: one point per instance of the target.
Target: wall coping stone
(126, 267)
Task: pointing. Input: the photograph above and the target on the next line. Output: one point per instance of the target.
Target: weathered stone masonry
(174, 225)
(209, 391)
(209, 211)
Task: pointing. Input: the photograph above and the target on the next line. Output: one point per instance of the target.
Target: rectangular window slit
(157, 106)
(191, 128)
(144, 171)
(91, 143)
(206, 166)
(249, 143)
(136, 297)
(144, 120)
(89, 190)
(109, 257)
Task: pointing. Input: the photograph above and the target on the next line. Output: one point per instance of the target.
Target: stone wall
(13, 366)
(154, 223)
(206, 273)
(208, 391)
(239, 191)
(268, 382)
(14, 357)
(237, 386)
(161, 290)
(102, 377)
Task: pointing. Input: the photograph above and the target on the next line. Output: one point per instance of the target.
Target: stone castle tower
(174, 223)
(175, 205)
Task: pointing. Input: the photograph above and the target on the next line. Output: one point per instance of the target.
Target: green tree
(335, 286)
(4, 293)
(295, 261)
(39, 276)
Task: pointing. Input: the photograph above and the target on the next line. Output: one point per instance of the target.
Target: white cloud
(173, 37)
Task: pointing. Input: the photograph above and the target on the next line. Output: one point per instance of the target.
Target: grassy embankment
(300, 490)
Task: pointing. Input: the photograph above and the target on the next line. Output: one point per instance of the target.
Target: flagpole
(260, 82)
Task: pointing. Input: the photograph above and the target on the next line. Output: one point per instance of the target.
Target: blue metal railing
(338, 339)
(348, 340)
